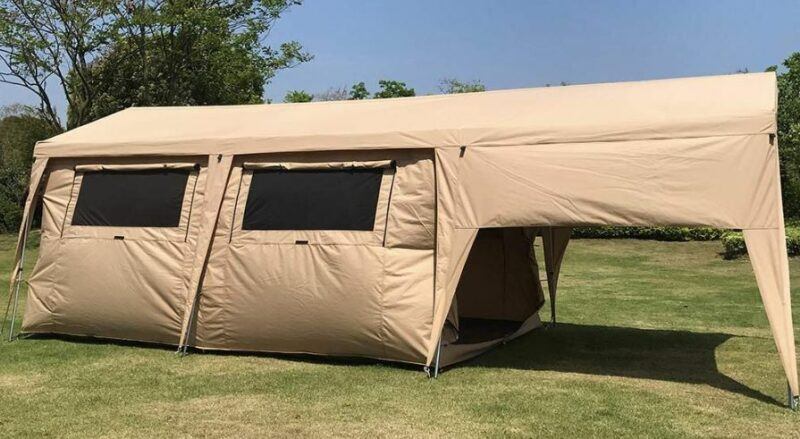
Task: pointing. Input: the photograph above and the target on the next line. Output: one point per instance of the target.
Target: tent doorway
(498, 292)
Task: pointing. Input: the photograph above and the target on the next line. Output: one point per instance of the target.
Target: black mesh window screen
(150, 198)
(312, 200)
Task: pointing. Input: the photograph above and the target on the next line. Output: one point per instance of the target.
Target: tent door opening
(499, 288)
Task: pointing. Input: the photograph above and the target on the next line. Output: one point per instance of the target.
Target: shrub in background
(656, 233)
(733, 243)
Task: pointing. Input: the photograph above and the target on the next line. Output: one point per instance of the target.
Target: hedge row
(734, 247)
(732, 242)
(656, 233)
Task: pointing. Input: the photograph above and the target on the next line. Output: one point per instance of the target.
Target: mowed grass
(656, 340)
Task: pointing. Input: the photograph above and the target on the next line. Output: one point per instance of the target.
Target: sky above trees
(523, 43)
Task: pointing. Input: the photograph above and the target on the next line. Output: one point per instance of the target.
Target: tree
(359, 91)
(454, 86)
(20, 128)
(45, 39)
(789, 133)
(393, 89)
(333, 94)
(108, 55)
(298, 96)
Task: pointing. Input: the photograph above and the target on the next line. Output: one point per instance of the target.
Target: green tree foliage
(108, 55)
(20, 129)
(454, 86)
(359, 91)
(393, 89)
(789, 133)
(298, 96)
(188, 52)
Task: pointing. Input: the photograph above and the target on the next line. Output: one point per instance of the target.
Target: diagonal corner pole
(433, 370)
(15, 284)
(218, 173)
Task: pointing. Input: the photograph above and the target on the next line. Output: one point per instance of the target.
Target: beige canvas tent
(397, 229)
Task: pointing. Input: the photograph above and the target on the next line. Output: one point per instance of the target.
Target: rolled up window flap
(297, 166)
(136, 167)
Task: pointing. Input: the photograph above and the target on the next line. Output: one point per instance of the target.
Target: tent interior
(499, 287)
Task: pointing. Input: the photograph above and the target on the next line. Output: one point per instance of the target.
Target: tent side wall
(352, 293)
(346, 293)
(117, 282)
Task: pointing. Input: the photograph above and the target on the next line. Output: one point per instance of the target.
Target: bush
(656, 233)
(733, 243)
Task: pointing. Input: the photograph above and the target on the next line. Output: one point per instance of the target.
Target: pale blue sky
(509, 44)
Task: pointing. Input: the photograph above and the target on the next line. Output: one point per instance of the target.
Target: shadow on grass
(677, 356)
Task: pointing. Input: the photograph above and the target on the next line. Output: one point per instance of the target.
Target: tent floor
(471, 331)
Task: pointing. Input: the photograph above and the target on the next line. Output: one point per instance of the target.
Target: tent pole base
(433, 371)
(14, 308)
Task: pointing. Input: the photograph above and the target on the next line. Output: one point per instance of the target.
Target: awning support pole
(550, 276)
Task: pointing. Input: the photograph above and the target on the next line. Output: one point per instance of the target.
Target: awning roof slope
(740, 104)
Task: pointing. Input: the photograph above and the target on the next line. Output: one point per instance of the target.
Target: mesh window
(151, 198)
(312, 200)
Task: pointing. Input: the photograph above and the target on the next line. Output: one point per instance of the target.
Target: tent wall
(37, 175)
(720, 181)
(31, 200)
(340, 292)
(334, 292)
(767, 251)
(88, 281)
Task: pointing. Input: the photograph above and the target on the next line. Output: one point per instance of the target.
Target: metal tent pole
(436, 361)
(433, 370)
(183, 349)
(17, 285)
(550, 276)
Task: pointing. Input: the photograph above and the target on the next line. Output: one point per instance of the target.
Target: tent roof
(740, 104)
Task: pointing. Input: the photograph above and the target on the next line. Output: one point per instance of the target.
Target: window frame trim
(374, 238)
(144, 233)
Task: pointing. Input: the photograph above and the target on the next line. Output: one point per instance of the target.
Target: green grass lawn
(658, 339)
